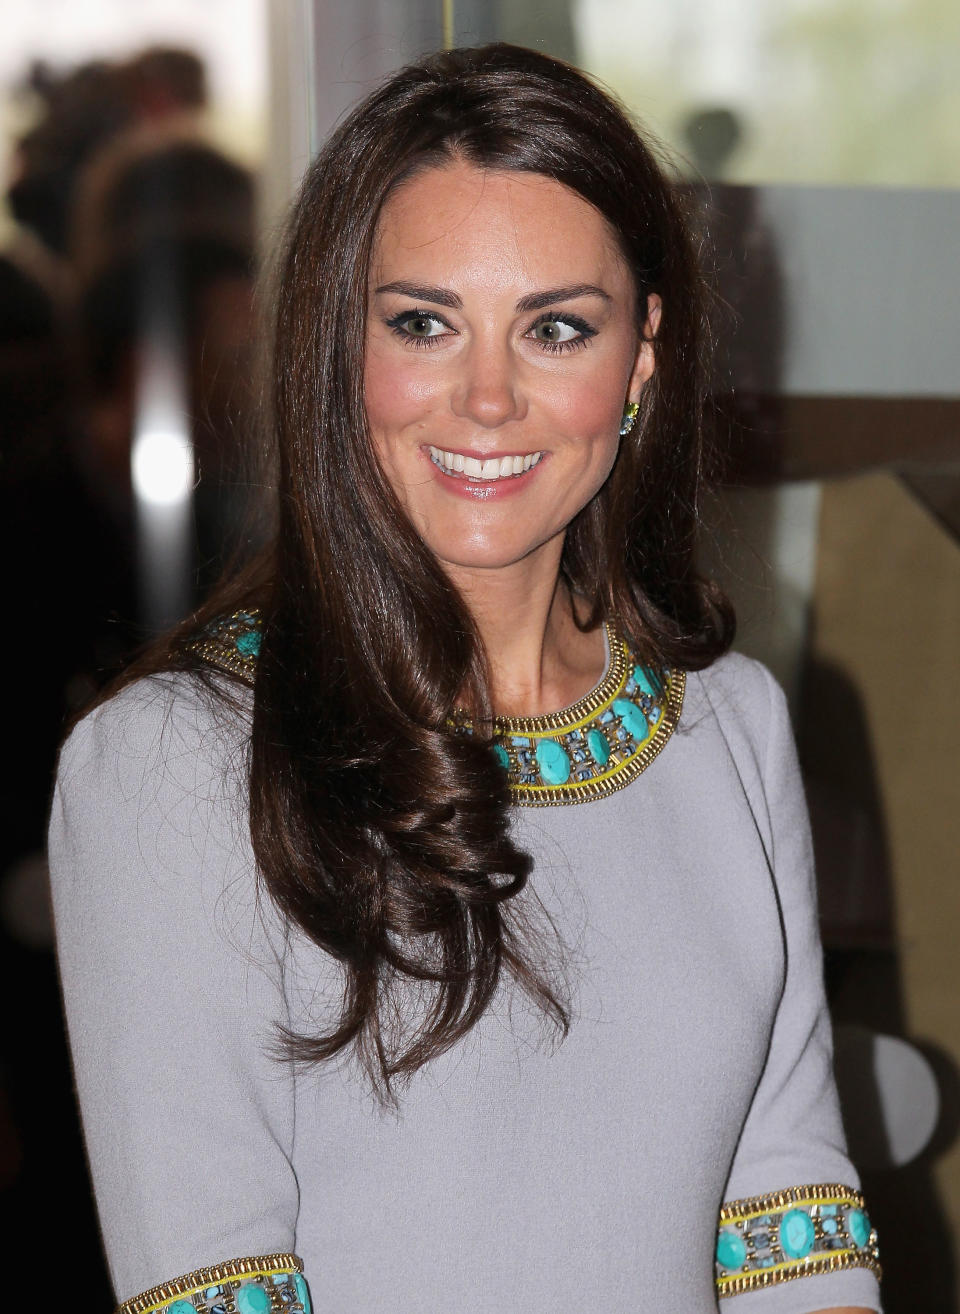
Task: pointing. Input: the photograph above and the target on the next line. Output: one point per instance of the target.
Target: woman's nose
(487, 391)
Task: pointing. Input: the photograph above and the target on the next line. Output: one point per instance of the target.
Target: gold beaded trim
(798, 1268)
(627, 758)
(231, 644)
(585, 708)
(741, 1212)
(201, 1278)
(618, 774)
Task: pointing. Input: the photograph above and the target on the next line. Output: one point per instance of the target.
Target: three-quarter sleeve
(171, 968)
(794, 1235)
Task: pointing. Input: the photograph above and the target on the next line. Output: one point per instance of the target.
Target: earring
(630, 412)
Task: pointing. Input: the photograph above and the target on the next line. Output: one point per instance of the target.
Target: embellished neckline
(598, 744)
(231, 643)
(584, 707)
(592, 748)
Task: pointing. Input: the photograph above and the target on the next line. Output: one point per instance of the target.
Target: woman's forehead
(460, 221)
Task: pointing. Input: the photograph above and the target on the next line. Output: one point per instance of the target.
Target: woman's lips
(480, 476)
(502, 465)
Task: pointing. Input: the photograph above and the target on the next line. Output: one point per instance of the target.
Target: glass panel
(811, 91)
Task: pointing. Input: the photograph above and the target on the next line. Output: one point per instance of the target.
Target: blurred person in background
(81, 111)
(113, 181)
(165, 224)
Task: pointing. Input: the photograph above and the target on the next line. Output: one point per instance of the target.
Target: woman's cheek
(397, 395)
(591, 414)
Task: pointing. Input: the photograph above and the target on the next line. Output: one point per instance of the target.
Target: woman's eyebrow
(441, 296)
(540, 300)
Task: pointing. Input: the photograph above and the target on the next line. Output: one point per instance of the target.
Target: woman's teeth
(495, 467)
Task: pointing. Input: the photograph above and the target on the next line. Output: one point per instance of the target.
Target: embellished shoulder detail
(255, 1285)
(599, 744)
(796, 1233)
(231, 643)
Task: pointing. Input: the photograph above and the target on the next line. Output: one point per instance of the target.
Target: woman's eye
(422, 326)
(561, 334)
(417, 324)
(555, 330)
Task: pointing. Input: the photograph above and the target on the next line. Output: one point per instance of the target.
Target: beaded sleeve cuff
(796, 1233)
(259, 1284)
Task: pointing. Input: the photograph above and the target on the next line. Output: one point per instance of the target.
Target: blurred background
(148, 153)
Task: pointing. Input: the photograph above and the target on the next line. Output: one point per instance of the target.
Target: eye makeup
(427, 318)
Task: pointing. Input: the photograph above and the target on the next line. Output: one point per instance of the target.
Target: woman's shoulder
(149, 826)
(740, 739)
(739, 695)
(204, 698)
(175, 726)
(740, 681)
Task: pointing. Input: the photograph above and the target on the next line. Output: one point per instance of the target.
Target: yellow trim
(855, 1200)
(787, 1263)
(781, 1202)
(759, 1278)
(181, 1288)
(567, 726)
(754, 1206)
(218, 649)
(611, 771)
(618, 776)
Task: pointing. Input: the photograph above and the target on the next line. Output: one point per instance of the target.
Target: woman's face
(501, 348)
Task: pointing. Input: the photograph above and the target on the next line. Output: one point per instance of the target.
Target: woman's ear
(643, 366)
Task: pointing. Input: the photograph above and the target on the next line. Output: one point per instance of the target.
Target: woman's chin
(485, 556)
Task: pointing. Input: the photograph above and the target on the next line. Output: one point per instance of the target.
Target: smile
(494, 467)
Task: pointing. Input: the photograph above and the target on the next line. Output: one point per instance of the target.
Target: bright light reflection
(162, 467)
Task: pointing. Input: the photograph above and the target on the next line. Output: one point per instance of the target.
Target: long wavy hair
(377, 832)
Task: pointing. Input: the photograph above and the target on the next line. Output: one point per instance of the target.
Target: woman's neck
(539, 659)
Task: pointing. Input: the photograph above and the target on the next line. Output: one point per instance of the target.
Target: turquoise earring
(630, 412)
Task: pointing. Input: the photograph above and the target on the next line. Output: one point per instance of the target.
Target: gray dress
(515, 1176)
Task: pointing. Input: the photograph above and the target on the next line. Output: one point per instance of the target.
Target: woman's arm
(171, 978)
(794, 1236)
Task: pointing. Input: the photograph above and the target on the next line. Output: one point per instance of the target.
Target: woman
(469, 1013)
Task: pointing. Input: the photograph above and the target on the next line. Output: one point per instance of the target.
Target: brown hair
(379, 834)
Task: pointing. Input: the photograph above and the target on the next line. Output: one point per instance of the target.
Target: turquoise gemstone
(253, 1300)
(181, 1307)
(303, 1295)
(797, 1234)
(599, 748)
(644, 681)
(632, 719)
(731, 1248)
(858, 1225)
(502, 756)
(553, 762)
(249, 644)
